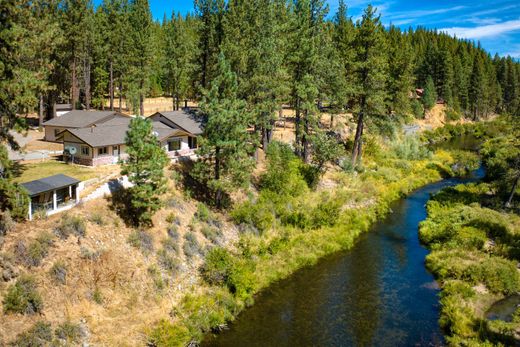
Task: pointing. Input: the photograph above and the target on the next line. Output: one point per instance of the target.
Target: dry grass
(128, 300)
(151, 105)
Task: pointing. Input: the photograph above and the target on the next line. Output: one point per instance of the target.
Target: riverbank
(474, 256)
(285, 231)
(473, 236)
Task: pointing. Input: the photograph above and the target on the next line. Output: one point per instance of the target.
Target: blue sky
(496, 24)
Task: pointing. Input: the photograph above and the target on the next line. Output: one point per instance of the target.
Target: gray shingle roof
(80, 119)
(47, 184)
(114, 131)
(186, 120)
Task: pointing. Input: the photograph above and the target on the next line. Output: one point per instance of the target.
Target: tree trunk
(40, 113)
(120, 94)
(86, 81)
(218, 195)
(111, 87)
(357, 140)
(512, 194)
(141, 98)
(305, 138)
(74, 86)
(331, 120)
(177, 103)
(297, 128)
(265, 140)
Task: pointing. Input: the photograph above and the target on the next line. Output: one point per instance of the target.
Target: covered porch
(52, 194)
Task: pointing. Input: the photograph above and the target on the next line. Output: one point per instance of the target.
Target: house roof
(47, 184)
(80, 118)
(114, 131)
(189, 121)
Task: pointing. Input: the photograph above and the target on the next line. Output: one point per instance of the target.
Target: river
(378, 293)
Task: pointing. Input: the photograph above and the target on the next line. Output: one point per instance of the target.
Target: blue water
(376, 294)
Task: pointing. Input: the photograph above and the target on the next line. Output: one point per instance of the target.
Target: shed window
(174, 145)
(102, 150)
(85, 150)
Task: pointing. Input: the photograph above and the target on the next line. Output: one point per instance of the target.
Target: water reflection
(376, 294)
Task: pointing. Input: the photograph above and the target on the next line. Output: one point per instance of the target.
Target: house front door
(115, 151)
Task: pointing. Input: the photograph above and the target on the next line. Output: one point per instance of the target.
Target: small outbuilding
(52, 194)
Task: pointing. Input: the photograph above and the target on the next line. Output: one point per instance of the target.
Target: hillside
(115, 290)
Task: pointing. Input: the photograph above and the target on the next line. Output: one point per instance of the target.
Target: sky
(496, 24)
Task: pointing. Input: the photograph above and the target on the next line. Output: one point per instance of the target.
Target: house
(77, 119)
(104, 144)
(186, 120)
(52, 194)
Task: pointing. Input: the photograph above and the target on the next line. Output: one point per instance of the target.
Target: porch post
(77, 193)
(54, 201)
(70, 191)
(30, 209)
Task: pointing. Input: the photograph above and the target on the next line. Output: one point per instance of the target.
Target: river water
(378, 293)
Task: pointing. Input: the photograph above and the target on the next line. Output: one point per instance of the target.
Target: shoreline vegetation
(285, 228)
(472, 231)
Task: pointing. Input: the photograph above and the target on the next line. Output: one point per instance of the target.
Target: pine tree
(14, 198)
(429, 97)
(307, 25)
(145, 169)
(181, 52)
(400, 77)
(225, 148)
(371, 71)
(478, 88)
(209, 13)
(140, 20)
(344, 35)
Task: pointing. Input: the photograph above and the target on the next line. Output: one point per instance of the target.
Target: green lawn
(34, 171)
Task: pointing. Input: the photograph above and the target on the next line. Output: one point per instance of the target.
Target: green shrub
(168, 262)
(97, 218)
(172, 218)
(217, 266)
(171, 245)
(326, 213)
(71, 225)
(58, 272)
(411, 148)
(6, 223)
(500, 275)
(203, 213)
(40, 334)
(69, 332)
(23, 297)
(283, 175)
(141, 240)
(465, 162)
(212, 234)
(191, 246)
(166, 334)
(417, 109)
(157, 278)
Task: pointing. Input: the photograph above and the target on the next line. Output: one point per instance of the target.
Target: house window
(57, 132)
(192, 142)
(85, 150)
(174, 145)
(102, 150)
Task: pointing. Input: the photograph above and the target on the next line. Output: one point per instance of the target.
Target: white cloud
(408, 15)
(484, 30)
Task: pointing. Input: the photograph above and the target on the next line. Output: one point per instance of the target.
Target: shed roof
(48, 184)
(80, 119)
(188, 120)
